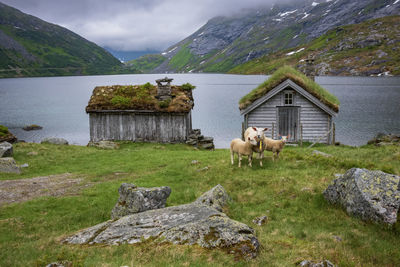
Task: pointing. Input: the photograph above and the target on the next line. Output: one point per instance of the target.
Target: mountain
(368, 48)
(225, 42)
(30, 46)
(126, 56)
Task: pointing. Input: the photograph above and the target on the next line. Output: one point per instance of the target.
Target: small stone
(323, 154)
(194, 162)
(25, 165)
(260, 220)
(337, 238)
(33, 153)
(203, 169)
(6, 149)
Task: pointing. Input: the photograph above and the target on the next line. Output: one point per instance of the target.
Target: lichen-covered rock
(8, 165)
(54, 141)
(6, 149)
(217, 198)
(325, 263)
(133, 199)
(195, 223)
(370, 195)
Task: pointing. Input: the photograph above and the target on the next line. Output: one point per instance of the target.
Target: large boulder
(133, 199)
(6, 149)
(8, 165)
(196, 223)
(54, 141)
(370, 195)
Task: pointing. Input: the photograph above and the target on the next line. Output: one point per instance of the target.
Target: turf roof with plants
(140, 97)
(284, 73)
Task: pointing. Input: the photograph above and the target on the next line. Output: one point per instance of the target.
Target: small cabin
(145, 113)
(291, 104)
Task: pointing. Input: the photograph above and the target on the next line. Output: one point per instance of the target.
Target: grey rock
(370, 195)
(25, 165)
(319, 153)
(60, 264)
(8, 165)
(133, 199)
(324, 263)
(199, 222)
(260, 220)
(194, 162)
(207, 145)
(6, 149)
(104, 144)
(54, 141)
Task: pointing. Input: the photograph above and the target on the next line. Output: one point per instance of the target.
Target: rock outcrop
(8, 165)
(382, 139)
(32, 127)
(133, 199)
(104, 144)
(199, 222)
(54, 141)
(325, 263)
(6, 149)
(370, 195)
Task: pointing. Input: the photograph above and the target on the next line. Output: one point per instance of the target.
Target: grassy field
(301, 225)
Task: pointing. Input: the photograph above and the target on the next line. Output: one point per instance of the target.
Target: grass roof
(140, 97)
(284, 73)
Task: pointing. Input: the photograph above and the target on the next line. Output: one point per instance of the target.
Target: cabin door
(288, 122)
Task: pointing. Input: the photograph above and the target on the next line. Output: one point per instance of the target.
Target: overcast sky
(133, 25)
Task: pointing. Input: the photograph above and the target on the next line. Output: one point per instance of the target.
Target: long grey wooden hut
(290, 103)
(145, 113)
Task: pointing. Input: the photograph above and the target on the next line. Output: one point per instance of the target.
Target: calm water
(368, 105)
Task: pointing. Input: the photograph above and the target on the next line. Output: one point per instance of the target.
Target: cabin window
(288, 98)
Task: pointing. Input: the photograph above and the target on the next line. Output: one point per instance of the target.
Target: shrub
(120, 101)
(164, 103)
(187, 86)
(3, 130)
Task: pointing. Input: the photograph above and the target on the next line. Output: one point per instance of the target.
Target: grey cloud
(132, 25)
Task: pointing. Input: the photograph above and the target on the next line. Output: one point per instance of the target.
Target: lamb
(258, 135)
(276, 146)
(242, 148)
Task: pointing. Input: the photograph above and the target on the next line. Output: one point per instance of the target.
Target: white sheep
(276, 146)
(258, 135)
(242, 148)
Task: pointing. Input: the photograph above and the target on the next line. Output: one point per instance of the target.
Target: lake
(369, 105)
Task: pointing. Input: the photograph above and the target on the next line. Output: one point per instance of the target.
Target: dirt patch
(13, 191)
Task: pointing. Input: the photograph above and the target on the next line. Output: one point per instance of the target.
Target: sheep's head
(284, 138)
(252, 141)
(259, 133)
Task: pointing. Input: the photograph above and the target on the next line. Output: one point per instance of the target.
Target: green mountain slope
(226, 42)
(146, 63)
(368, 48)
(32, 47)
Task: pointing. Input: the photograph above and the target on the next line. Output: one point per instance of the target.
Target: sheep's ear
(265, 129)
(254, 128)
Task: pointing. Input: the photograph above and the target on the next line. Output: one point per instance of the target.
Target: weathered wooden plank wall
(146, 126)
(315, 121)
